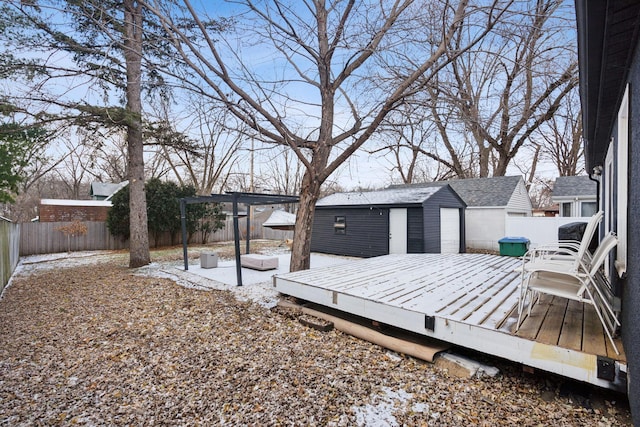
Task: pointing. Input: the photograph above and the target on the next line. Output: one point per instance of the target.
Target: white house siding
(539, 230)
(520, 203)
(484, 234)
(490, 201)
(484, 227)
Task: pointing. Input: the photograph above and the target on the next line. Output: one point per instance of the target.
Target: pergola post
(236, 239)
(248, 228)
(183, 220)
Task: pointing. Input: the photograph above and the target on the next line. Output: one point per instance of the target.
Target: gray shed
(425, 219)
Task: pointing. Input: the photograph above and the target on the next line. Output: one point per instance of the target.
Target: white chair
(578, 280)
(564, 251)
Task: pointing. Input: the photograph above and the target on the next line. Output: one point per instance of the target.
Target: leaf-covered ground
(91, 343)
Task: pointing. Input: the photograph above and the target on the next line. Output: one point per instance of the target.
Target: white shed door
(449, 230)
(397, 231)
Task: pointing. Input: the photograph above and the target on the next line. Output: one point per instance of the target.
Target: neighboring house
(56, 210)
(609, 63)
(96, 209)
(489, 202)
(576, 195)
(548, 211)
(416, 219)
(105, 190)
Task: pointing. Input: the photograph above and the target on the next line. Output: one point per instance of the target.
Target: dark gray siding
(367, 232)
(631, 293)
(445, 198)
(367, 227)
(415, 231)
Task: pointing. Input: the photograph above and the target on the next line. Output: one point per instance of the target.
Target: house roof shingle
(572, 186)
(478, 192)
(495, 191)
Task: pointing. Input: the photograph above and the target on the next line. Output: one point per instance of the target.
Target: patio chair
(564, 252)
(585, 283)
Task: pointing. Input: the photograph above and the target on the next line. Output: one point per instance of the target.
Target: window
(566, 209)
(588, 208)
(340, 225)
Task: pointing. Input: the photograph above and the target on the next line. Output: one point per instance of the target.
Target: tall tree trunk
(301, 249)
(139, 237)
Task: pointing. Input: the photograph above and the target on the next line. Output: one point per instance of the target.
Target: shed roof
(388, 196)
(494, 191)
(574, 186)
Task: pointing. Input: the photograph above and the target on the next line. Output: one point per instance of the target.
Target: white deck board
(472, 298)
(454, 286)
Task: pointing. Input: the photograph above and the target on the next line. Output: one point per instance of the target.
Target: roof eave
(604, 65)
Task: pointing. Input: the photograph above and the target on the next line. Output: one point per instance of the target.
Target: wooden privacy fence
(46, 237)
(9, 250)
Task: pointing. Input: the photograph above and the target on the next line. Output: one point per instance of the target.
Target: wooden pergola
(233, 197)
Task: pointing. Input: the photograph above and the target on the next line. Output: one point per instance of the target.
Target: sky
(362, 170)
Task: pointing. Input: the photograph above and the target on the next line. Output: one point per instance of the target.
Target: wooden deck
(468, 300)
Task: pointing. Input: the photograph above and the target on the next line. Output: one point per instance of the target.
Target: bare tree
(499, 93)
(557, 142)
(409, 143)
(40, 164)
(562, 138)
(305, 78)
(540, 191)
(109, 162)
(216, 138)
(74, 168)
(283, 173)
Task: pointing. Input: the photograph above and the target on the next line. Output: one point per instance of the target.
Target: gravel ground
(87, 341)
